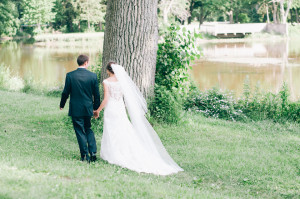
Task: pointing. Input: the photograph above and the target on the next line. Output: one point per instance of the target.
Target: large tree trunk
(130, 39)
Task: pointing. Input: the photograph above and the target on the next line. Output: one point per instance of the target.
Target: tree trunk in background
(284, 13)
(297, 16)
(100, 25)
(230, 14)
(192, 4)
(130, 39)
(268, 18)
(274, 12)
(201, 16)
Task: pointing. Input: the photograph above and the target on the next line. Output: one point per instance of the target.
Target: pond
(226, 65)
(265, 64)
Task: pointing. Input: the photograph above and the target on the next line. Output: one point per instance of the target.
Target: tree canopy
(35, 16)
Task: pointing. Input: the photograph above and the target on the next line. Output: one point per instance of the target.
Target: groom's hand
(96, 114)
(61, 108)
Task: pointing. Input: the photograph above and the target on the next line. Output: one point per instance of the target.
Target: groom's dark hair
(82, 59)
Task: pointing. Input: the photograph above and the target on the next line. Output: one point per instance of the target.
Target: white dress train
(121, 144)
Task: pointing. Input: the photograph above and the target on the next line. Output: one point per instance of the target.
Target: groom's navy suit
(83, 88)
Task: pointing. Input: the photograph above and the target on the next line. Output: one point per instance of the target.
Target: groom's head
(83, 60)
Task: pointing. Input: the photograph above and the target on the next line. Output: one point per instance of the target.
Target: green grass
(39, 157)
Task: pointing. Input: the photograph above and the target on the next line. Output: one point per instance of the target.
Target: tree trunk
(165, 14)
(268, 18)
(284, 13)
(274, 12)
(236, 17)
(282, 19)
(201, 16)
(297, 15)
(192, 4)
(100, 25)
(130, 39)
(230, 14)
(278, 16)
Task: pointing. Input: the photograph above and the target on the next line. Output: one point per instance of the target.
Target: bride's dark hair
(109, 68)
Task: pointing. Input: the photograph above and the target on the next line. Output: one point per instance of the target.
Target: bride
(133, 143)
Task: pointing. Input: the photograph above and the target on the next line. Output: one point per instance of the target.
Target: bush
(214, 103)
(252, 106)
(172, 77)
(9, 82)
(174, 57)
(165, 105)
(277, 107)
(243, 18)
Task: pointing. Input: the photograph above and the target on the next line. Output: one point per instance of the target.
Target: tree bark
(100, 25)
(192, 4)
(284, 13)
(274, 11)
(268, 18)
(130, 39)
(297, 15)
(230, 14)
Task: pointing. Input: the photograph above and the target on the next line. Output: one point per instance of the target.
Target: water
(267, 64)
(46, 66)
(226, 65)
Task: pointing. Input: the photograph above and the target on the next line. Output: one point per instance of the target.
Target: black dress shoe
(93, 157)
(85, 158)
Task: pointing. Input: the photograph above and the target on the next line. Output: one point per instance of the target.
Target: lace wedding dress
(133, 143)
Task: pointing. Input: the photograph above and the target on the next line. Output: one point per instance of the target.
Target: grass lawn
(39, 158)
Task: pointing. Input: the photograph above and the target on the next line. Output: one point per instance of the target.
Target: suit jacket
(83, 88)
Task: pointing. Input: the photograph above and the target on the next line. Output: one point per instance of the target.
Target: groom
(83, 88)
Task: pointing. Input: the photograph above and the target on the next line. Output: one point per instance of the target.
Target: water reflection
(266, 63)
(223, 64)
(44, 65)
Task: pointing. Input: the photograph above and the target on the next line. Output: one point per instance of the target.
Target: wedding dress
(133, 143)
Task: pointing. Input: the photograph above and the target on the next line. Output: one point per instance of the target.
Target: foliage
(172, 77)
(174, 8)
(9, 21)
(65, 15)
(214, 103)
(92, 11)
(243, 18)
(38, 14)
(277, 107)
(174, 57)
(165, 106)
(97, 67)
(9, 82)
(255, 106)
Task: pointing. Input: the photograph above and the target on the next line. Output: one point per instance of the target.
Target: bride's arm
(104, 102)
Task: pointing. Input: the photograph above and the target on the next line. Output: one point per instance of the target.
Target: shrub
(243, 18)
(214, 103)
(172, 77)
(174, 57)
(9, 82)
(165, 105)
(254, 106)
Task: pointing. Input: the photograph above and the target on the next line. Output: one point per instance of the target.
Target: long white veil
(136, 106)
